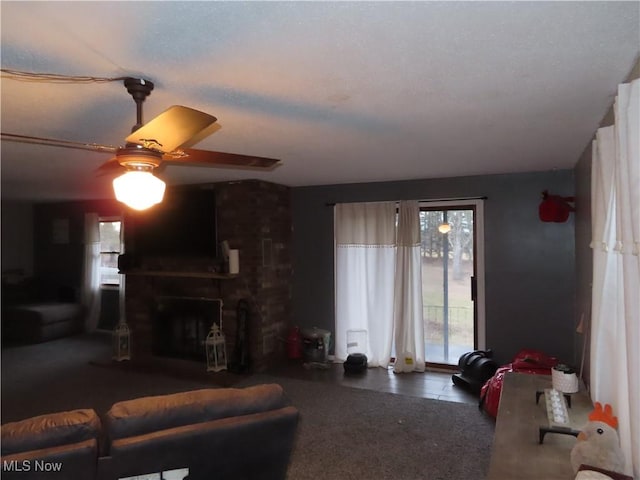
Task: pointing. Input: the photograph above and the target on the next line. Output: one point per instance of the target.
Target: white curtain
(365, 267)
(91, 280)
(409, 326)
(615, 330)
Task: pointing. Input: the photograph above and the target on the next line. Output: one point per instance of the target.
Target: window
(110, 242)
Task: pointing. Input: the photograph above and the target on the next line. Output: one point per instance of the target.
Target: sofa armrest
(50, 430)
(63, 462)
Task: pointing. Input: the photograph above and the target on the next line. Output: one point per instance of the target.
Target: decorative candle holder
(216, 350)
(121, 342)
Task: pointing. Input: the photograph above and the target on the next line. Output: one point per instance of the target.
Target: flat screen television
(183, 225)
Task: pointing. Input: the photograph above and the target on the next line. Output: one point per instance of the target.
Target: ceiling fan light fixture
(444, 228)
(139, 189)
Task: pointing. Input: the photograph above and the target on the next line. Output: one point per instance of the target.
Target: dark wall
(17, 238)
(529, 271)
(58, 262)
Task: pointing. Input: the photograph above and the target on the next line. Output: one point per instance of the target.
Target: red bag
(525, 361)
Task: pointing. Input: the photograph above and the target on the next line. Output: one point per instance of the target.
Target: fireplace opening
(180, 326)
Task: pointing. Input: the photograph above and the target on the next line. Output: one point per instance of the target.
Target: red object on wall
(555, 208)
(294, 344)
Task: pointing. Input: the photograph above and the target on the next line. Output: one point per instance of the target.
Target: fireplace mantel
(185, 274)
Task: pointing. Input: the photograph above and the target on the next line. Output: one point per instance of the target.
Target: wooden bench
(516, 452)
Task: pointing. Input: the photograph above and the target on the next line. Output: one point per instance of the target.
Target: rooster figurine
(598, 444)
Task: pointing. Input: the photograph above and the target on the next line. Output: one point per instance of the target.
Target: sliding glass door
(449, 287)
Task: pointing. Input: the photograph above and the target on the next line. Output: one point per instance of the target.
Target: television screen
(183, 225)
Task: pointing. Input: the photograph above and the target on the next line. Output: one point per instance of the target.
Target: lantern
(121, 343)
(216, 350)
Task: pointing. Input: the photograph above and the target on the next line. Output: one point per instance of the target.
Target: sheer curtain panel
(91, 277)
(365, 267)
(615, 326)
(409, 326)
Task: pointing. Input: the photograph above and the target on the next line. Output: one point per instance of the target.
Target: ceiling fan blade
(53, 142)
(109, 167)
(206, 158)
(173, 127)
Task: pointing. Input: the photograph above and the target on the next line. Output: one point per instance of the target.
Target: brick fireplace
(255, 218)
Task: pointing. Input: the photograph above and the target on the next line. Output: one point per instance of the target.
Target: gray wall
(584, 257)
(60, 265)
(17, 237)
(529, 273)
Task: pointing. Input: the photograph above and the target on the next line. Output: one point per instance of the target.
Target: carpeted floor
(57, 375)
(349, 433)
(344, 433)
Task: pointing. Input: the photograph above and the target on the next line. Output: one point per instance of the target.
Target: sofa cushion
(50, 430)
(151, 414)
(46, 313)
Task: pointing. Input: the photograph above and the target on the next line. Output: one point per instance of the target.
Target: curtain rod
(430, 200)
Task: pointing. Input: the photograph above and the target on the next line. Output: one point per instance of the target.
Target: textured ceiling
(340, 92)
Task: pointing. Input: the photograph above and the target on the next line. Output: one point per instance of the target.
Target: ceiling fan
(154, 144)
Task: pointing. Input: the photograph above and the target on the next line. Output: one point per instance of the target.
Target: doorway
(452, 280)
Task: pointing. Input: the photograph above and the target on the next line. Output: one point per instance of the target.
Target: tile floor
(434, 385)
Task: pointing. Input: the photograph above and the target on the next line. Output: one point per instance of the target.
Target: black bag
(355, 363)
(476, 368)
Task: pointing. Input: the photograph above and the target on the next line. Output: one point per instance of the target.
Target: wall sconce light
(444, 227)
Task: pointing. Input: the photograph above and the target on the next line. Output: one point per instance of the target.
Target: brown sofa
(205, 434)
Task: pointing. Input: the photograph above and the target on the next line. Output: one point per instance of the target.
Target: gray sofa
(65, 439)
(206, 434)
(39, 322)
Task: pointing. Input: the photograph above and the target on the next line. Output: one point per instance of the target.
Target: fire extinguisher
(294, 344)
